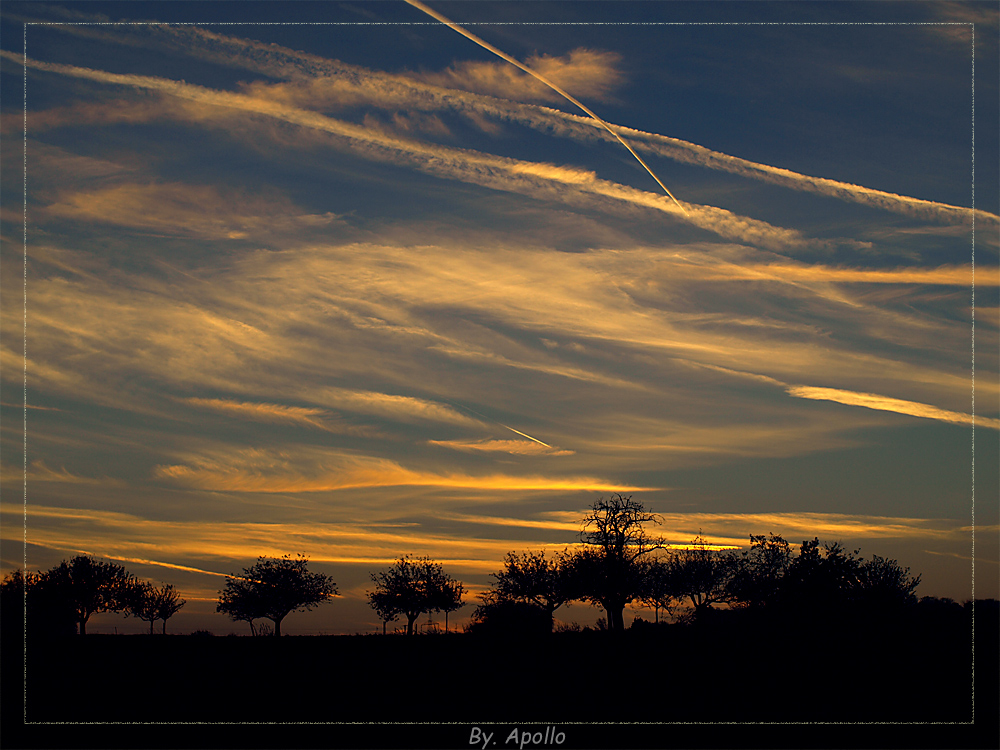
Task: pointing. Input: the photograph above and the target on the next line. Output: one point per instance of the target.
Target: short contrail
(485, 45)
(522, 434)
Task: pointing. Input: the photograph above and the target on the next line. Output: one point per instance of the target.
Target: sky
(335, 279)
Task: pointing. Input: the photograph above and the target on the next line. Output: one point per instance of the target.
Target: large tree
(88, 586)
(533, 578)
(613, 569)
(272, 588)
(411, 587)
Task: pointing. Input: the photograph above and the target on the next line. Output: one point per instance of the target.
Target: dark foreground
(859, 676)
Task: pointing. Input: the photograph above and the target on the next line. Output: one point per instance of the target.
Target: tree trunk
(277, 626)
(616, 620)
(164, 631)
(383, 626)
(83, 626)
(151, 626)
(409, 622)
(446, 621)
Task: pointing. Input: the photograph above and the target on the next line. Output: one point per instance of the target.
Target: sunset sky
(356, 287)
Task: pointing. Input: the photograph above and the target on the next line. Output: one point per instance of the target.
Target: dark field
(732, 670)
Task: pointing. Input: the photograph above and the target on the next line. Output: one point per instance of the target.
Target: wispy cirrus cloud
(516, 447)
(185, 210)
(540, 180)
(266, 412)
(885, 403)
(322, 82)
(586, 73)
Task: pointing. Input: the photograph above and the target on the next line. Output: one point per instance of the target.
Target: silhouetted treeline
(61, 600)
(620, 563)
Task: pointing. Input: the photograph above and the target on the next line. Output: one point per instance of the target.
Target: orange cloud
(885, 403)
(517, 447)
(585, 73)
(941, 276)
(185, 210)
(265, 412)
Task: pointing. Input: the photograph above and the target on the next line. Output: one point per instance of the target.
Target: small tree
(241, 600)
(273, 588)
(884, 583)
(758, 573)
(447, 597)
(820, 578)
(411, 587)
(700, 575)
(142, 603)
(168, 604)
(613, 570)
(660, 590)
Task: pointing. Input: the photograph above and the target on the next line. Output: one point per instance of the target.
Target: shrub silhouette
(506, 617)
(532, 578)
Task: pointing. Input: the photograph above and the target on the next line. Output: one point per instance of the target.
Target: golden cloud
(885, 403)
(516, 447)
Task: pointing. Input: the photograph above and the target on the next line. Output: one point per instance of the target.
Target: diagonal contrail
(487, 46)
(478, 414)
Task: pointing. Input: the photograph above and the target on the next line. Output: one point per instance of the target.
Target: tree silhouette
(612, 570)
(699, 574)
(168, 604)
(88, 586)
(447, 597)
(142, 603)
(533, 578)
(149, 603)
(884, 583)
(820, 578)
(758, 573)
(272, 588)
(659, 590)
(242, 601)
(510, 618)
(411, 587)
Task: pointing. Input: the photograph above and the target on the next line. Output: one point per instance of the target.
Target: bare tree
(273, 588)
(613, 569)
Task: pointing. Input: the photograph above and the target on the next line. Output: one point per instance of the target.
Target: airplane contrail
(522, 434)
(487, 46)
